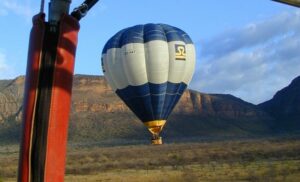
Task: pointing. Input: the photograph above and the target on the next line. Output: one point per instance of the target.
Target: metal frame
(295, 3)
(56, 8)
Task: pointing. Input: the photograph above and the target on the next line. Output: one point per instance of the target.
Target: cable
(42, 6)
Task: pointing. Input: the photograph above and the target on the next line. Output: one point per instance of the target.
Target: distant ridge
(285, 106)
(98, 114)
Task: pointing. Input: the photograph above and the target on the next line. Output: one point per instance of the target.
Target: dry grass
(262, 171)
(252, 160)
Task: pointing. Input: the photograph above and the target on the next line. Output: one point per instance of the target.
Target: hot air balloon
(149, 67)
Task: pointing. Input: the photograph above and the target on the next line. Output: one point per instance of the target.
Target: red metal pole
(47, 98)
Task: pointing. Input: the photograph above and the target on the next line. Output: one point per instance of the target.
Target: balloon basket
(157, 141)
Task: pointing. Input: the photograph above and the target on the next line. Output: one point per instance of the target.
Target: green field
(246, 160)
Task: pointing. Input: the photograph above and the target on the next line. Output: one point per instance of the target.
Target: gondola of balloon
(149, 67)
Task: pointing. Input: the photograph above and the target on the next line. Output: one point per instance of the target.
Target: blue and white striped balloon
(149, 67)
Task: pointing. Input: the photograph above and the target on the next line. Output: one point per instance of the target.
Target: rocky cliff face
(93, 94)
(217, 105)
(97, 113)
(11, 97)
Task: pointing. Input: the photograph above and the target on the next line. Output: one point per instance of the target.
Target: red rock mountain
(98, 114)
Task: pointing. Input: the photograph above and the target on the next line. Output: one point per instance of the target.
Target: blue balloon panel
(146, 33)
(152, 101)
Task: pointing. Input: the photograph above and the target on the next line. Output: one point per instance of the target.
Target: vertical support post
(57, 8)
(47, 96)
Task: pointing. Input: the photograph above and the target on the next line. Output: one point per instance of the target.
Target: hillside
(285, 106)
(98, 114)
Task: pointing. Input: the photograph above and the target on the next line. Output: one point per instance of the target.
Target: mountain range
(98, 114)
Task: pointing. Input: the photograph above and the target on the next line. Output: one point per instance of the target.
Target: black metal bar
(82, 10)
(289, 2)
(41, 123)
(91, 3)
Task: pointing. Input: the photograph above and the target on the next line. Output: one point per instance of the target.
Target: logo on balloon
(180, 53)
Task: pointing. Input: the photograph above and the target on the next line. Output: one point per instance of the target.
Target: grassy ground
(248, 160)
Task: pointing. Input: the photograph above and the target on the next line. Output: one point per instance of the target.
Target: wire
(42, 6)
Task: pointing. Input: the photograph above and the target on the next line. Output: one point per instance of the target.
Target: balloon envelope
(149, 67)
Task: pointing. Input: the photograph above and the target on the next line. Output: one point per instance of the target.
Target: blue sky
(247, 48)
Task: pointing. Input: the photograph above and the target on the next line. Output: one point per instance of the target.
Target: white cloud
(6, 70)
(3, 12)
(22, 9)
(3, 65)
(252, 62)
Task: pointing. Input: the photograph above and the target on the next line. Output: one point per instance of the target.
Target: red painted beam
(47, 100)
